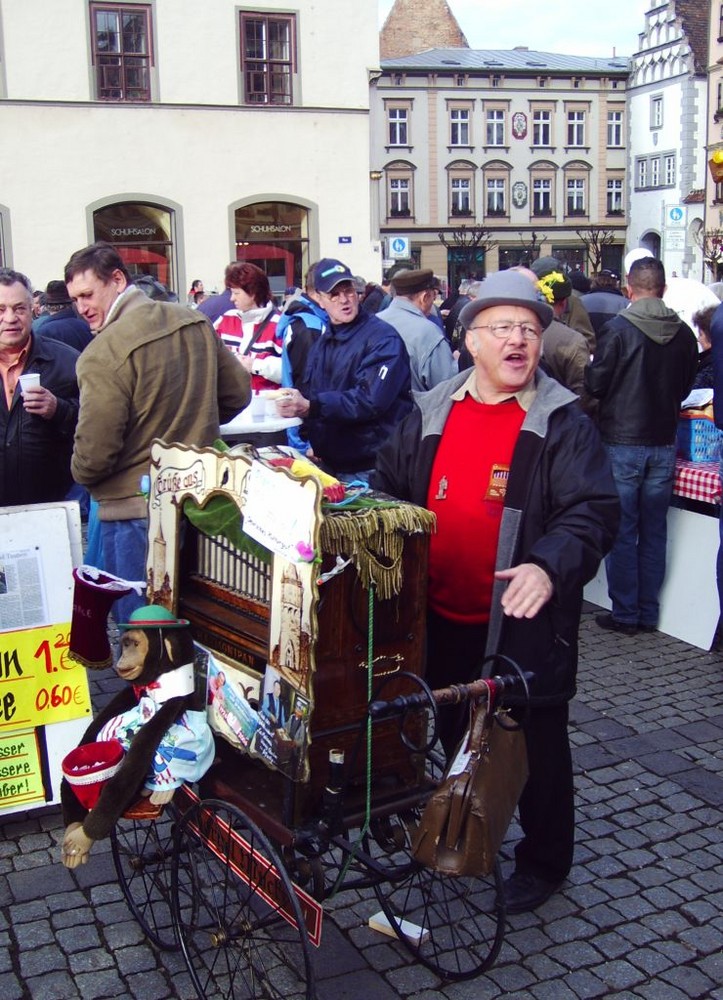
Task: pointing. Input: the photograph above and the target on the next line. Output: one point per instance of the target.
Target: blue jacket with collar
(358, 382)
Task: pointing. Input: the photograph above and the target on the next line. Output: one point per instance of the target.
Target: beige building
(523, 149)
(188, 134)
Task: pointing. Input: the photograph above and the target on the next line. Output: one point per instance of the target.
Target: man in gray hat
(526, 508)
(430, 355)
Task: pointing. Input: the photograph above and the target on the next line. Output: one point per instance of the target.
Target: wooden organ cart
(303, 613)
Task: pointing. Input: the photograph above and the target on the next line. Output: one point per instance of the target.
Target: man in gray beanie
(526, 508)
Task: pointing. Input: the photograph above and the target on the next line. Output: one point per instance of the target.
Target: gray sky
(582, 29)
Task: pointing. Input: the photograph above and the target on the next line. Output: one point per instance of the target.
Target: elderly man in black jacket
(37, 424)
(526, 508)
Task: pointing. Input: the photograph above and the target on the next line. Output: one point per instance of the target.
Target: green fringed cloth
(372, 536)
(370, 532)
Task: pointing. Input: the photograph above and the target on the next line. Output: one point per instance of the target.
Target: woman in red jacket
(250, 329)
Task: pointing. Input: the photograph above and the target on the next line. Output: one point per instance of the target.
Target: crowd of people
(533, 412)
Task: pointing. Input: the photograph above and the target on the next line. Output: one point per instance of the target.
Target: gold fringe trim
(374, 541)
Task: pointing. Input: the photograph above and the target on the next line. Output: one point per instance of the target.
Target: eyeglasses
(346, 292)
(503, 329)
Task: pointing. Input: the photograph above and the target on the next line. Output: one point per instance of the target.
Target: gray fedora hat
(507, 288)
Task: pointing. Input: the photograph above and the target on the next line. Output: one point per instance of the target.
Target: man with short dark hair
(430, 354)
(36, 423)
(153, 370)
(526, 508)
(643, 368)
(356, 386)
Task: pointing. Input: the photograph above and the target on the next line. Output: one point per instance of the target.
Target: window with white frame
(575, 200)
(614, 196)
(459, 127)
(122, 52)
(542, 196)
(669, 169)
(460, 196)
(496, 196)
(641, 173)
(541, 128)
(398, 121)
(268, 57)
(495, 127)
(400, 196)
(576, 128)
(615, 129)
(656, 111)
(655, 171)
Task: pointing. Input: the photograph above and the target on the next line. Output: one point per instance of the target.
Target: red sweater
(467, 493)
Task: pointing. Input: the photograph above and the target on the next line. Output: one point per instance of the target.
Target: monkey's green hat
(153, 616)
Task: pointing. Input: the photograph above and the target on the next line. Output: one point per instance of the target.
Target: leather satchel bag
(465, 820)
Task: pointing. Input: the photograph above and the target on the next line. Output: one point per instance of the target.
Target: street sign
(675, 216)
(399, 247)
(345, 239)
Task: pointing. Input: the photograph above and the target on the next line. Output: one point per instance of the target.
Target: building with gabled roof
(528, 146)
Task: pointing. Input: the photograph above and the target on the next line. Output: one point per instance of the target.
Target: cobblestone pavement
(640, 916)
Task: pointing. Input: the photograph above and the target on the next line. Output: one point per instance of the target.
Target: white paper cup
(257, 408)
(29, 381)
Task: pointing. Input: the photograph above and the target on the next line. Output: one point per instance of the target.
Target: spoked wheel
(142, 851)
(239, 922)
(453, 925)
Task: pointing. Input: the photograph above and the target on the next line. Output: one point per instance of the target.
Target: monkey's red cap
(153, 616)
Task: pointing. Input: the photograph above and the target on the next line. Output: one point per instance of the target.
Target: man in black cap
(63, 323)
(356, 386)
(430, 354)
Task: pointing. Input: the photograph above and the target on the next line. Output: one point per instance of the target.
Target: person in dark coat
(357, 383)
(36, 424)
(519, 534)
(604, 300)
(63, 323)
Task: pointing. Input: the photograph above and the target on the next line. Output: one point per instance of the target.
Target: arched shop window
(143, 235)
(274, 235)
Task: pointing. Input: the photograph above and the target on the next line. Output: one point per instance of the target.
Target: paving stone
(78, 938)
(689, 979)
(11, 988)
(38, 961)
(102, 984)
(619, 974)
(56, 986)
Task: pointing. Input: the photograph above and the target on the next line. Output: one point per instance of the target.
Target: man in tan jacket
(153, 370)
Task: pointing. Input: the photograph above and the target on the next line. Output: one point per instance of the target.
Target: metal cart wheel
(239, 922)
(142, 850)
(454, 926)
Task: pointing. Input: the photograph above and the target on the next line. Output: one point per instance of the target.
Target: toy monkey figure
(165, 740)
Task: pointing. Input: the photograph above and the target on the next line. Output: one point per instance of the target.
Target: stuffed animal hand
(76, 846)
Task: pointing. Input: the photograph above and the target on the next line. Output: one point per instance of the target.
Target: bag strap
(259, 330)
(462, 784)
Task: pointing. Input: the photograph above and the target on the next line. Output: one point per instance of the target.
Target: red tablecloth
(698, 481)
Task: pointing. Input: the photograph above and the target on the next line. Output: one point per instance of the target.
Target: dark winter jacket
(35, 453)
(358, 382)
(561, 512)
(68, 328)
(643, 369)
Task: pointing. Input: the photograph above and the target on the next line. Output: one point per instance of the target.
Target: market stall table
(698, 481)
